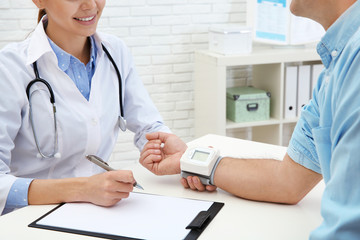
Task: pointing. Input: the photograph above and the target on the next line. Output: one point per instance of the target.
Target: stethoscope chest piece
(122, 123)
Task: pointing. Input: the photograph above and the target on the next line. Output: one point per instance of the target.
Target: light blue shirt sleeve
(18, 195)
(302, 147)
(331, 138)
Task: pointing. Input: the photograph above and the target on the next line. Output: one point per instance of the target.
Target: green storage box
(246, 104)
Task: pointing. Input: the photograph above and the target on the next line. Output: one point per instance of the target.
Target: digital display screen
(200, 156)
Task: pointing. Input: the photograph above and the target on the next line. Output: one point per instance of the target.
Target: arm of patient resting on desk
(255, 179)
(266, 179)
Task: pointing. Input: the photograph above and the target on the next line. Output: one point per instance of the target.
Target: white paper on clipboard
(141, 216)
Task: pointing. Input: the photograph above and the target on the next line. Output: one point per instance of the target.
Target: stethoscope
(55, 153)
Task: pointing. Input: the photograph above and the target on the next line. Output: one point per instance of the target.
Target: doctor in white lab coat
(85, 126)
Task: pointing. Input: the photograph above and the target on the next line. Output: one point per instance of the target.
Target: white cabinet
(268, 70)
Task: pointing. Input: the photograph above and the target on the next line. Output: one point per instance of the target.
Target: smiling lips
(86, 20)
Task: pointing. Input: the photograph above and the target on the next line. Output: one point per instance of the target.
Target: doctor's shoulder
(15, 53)
(115, 44)
(14, 73)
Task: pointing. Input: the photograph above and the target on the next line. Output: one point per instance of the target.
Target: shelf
(268, 73)
(261, 55)
(232, 125)
(290, 120)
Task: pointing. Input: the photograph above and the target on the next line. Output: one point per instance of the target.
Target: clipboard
(133, 218)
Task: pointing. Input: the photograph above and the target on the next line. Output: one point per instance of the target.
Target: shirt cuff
(18, 194)
(157, 127)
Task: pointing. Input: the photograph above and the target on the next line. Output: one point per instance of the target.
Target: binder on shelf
(136, 217)
(303, 87)
(291, 74)
(316, 69)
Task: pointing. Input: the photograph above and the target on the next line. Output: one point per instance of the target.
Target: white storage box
(230, 39)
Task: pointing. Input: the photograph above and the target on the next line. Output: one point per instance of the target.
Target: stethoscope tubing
(119, 78)
(122, 121)
(55, 131)
(52, 101)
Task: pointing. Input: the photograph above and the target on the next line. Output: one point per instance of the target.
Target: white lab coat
(84, 127)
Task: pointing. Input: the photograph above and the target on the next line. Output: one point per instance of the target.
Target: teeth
(86, 19)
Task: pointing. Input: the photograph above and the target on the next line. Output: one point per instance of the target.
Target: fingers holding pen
(122, 180)
(106, 189)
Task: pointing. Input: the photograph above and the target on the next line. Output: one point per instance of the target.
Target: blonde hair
(42, 12)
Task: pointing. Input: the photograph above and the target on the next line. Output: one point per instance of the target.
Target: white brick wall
(162, 35)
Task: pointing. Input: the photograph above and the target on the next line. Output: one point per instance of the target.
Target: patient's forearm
(265, 179)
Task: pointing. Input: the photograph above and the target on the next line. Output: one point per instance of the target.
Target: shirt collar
(336, 37)
(93, 52)
(64, 57)
(39, 44)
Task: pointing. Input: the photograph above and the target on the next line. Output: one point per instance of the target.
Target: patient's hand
(194, 183)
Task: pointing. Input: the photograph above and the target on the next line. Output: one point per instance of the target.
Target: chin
(293, 8)
(86, 33)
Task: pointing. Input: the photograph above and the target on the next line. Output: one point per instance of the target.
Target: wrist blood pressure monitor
(201, 162)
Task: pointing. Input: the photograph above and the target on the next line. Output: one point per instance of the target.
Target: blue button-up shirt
(327, 136)
(81, 75)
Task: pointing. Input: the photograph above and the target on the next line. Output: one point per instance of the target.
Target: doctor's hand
(106, 189)
(162, 160)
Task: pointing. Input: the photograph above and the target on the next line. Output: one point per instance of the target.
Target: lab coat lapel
(39, 44)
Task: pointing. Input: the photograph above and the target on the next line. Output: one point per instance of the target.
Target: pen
(101, 163)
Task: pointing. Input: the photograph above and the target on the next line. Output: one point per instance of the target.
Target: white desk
(238, 219)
